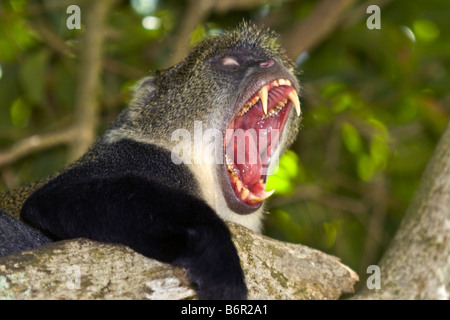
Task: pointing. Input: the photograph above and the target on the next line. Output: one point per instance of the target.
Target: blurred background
(374, 101)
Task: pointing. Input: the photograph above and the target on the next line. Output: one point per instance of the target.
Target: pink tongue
(251, 169)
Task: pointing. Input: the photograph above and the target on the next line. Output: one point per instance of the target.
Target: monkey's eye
(229, 62)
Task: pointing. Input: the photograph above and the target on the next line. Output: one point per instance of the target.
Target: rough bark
(417, 262)
(83, 269)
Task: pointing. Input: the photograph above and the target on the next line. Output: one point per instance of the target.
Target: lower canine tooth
(264, 195)
(267, 194)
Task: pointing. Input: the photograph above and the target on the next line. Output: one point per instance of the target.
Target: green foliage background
(374, 105)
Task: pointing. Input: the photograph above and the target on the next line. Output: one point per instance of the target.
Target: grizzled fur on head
(195, 89)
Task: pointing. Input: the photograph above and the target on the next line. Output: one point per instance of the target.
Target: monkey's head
(239, 84)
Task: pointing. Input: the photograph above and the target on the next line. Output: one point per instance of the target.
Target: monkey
(139, 185)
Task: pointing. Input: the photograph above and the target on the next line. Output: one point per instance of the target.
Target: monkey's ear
(144, 91)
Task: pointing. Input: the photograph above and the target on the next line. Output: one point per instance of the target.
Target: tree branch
(50, 38)
(273, 269)
(308, 33)
(37, 142)
(196, 12)
(80, 135)
(86, 104)
(417, 262)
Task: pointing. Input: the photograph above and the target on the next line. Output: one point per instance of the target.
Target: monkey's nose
(266, 64)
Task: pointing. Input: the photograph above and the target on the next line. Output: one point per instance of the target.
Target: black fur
(132, 193)
(15, 236)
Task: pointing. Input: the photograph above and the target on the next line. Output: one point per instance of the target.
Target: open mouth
(252, 138)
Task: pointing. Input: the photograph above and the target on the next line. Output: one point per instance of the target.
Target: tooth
(244, 193)
(263, 94)
(267, 194)
(239, 185)
(254, 198)
(282, 82)
(294, 98)
(289, 83)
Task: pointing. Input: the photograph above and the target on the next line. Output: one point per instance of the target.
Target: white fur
(207, 178)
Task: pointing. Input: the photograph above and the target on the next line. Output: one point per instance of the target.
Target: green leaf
(365, 167)
(198, 34)
(379, 152)
(426, 30)
(332, 89)
(32, 76)
(20, 113)
(351, 138)
(281, 185)
(331, 231)
(344, 102)
(283, 179)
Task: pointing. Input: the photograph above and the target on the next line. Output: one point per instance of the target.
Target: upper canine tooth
(263, 94)
(294, 98)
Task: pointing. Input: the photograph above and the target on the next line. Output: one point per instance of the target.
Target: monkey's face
(259, 124)
(250, 93)
(242, 85)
